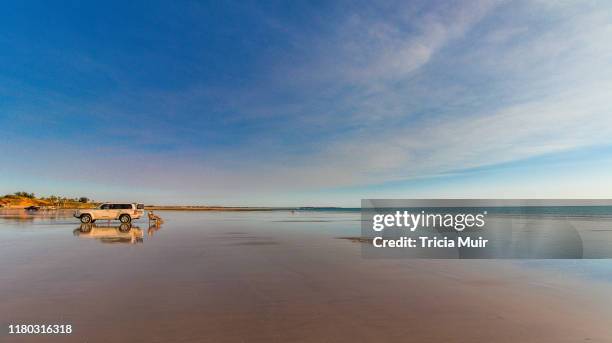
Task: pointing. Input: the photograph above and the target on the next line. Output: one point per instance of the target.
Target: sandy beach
(277, 277)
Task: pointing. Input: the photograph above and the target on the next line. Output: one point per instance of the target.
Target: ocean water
(560, 211)
(328, 223)
(276, 276)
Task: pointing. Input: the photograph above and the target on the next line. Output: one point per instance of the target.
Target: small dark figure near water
(157, 219)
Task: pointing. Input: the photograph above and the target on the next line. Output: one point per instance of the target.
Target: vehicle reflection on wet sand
(277, 277)
(123, 233)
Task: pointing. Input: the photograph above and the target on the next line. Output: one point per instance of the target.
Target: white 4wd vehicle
(111, 211)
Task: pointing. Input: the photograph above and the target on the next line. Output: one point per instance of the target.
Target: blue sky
(318, 103)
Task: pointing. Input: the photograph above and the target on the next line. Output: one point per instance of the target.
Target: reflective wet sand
(274, 277)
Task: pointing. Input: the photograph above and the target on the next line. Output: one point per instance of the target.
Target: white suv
(111, 211)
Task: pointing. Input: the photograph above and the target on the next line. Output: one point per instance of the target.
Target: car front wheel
(125, 218)
(85, 218)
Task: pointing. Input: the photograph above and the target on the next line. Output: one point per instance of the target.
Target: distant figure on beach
(157, 219)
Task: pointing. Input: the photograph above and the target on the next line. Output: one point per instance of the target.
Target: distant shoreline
(23, 205)
(25, 200)
(217, 208)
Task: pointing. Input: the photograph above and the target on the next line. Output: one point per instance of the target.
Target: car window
(122, 207)
(117, 207)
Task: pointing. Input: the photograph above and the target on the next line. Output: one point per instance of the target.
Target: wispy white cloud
(525, 86)
(384, 50)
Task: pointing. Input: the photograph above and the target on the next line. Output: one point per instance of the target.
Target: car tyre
(125, 218)
(85, 218)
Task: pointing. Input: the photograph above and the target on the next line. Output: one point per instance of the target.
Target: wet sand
(276, 277)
